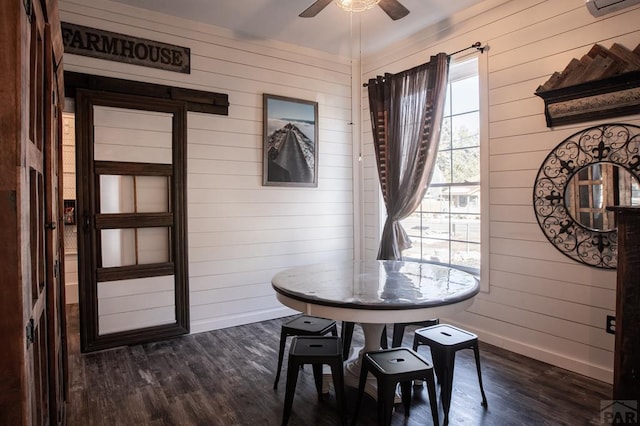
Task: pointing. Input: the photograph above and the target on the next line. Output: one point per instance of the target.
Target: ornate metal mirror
(590, 170)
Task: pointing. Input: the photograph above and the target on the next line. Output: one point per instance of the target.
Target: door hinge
(56, 268)
(30, 332)
(50, 225)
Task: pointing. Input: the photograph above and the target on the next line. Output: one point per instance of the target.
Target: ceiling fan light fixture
(356, 5)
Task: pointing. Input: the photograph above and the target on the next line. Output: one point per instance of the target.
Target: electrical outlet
(611, 324)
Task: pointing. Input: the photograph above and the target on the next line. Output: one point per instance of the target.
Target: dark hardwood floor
(225, 377)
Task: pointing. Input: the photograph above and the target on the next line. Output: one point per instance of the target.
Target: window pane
(445, 134)
(464, 95)
(447, 101)
(465, 228)
(152, 194)
(118, 247)
(435, 250)
(134, 246)
(466, 165)
(465, 199)
(134, 194)
(153, 245)
(436, 200)
(465, 130)
(465, 254)
(442, 168)
(435, 225)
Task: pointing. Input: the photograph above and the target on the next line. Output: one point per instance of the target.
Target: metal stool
(315, 350)
(304, 325)
(444, 340)
(390, 367)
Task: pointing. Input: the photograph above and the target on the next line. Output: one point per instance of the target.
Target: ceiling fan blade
(394, 9)
(315, 8)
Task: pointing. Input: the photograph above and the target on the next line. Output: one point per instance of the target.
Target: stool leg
(446, 381)
(317, 377)
(283, 342)
(384, 341)
(386, 395)
(405, 393)
(364, 369)
(431, 389)
(347, 335)
(292, 379)
(476, 352)
(398, 335)
(337, 372)
(416, 342)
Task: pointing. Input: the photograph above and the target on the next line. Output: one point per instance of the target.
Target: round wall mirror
(592, 188)
(587, 172)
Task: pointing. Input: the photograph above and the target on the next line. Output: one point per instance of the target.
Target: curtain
(406, 116)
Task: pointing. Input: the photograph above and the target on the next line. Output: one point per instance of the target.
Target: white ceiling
(329, 31)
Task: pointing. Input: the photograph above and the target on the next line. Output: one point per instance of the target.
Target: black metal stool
(390, 367)
(315, 350)
(444, 340)
(303, 325)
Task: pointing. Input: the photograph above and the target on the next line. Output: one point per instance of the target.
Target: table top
(376, 290)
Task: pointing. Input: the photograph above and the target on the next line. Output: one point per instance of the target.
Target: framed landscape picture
(290, 142)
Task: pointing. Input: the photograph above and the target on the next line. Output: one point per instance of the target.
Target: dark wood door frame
(87, 229)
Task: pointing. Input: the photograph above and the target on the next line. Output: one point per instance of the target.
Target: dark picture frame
(290, 145)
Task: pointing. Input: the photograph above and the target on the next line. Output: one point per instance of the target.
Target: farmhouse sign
(111, 46)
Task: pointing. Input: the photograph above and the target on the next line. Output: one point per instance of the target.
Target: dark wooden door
(54, 251)
(31, 313)
(132, 232)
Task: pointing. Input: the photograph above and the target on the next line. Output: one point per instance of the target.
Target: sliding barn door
(133, 284)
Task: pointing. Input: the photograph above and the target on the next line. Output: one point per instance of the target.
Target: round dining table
(374, 293)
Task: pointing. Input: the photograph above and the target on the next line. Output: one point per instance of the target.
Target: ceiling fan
(393, 8)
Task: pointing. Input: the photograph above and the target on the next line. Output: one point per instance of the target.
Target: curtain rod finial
(479, 46)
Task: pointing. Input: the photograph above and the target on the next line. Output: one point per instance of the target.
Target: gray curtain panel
(406, 116)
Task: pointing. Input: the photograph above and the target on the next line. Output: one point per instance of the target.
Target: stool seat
(390, 367)
(444, 341)
(302, 325)
(317, 351)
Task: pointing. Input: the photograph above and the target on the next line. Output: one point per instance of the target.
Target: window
(446, 226)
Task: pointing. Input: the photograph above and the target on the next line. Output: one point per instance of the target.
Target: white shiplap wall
(241, 233)
(540, 303)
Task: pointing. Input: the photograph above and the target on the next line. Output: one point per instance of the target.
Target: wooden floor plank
(225, 377)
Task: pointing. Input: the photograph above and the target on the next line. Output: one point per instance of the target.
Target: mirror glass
(594, 187)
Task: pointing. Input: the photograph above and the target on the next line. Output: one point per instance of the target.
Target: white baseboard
(71, 293)
(559, 360)
(239, 319)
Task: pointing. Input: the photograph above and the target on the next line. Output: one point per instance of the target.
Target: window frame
(483, 111)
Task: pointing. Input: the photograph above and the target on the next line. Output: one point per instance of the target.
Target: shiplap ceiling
(329, 31)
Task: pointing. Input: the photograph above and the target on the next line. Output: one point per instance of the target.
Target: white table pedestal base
(353, 365)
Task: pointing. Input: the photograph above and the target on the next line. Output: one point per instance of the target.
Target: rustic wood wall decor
(111, 46)
(604, 83)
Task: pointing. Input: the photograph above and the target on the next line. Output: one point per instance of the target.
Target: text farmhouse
(112, 46)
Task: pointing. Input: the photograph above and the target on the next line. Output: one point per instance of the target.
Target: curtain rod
(477, 45)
